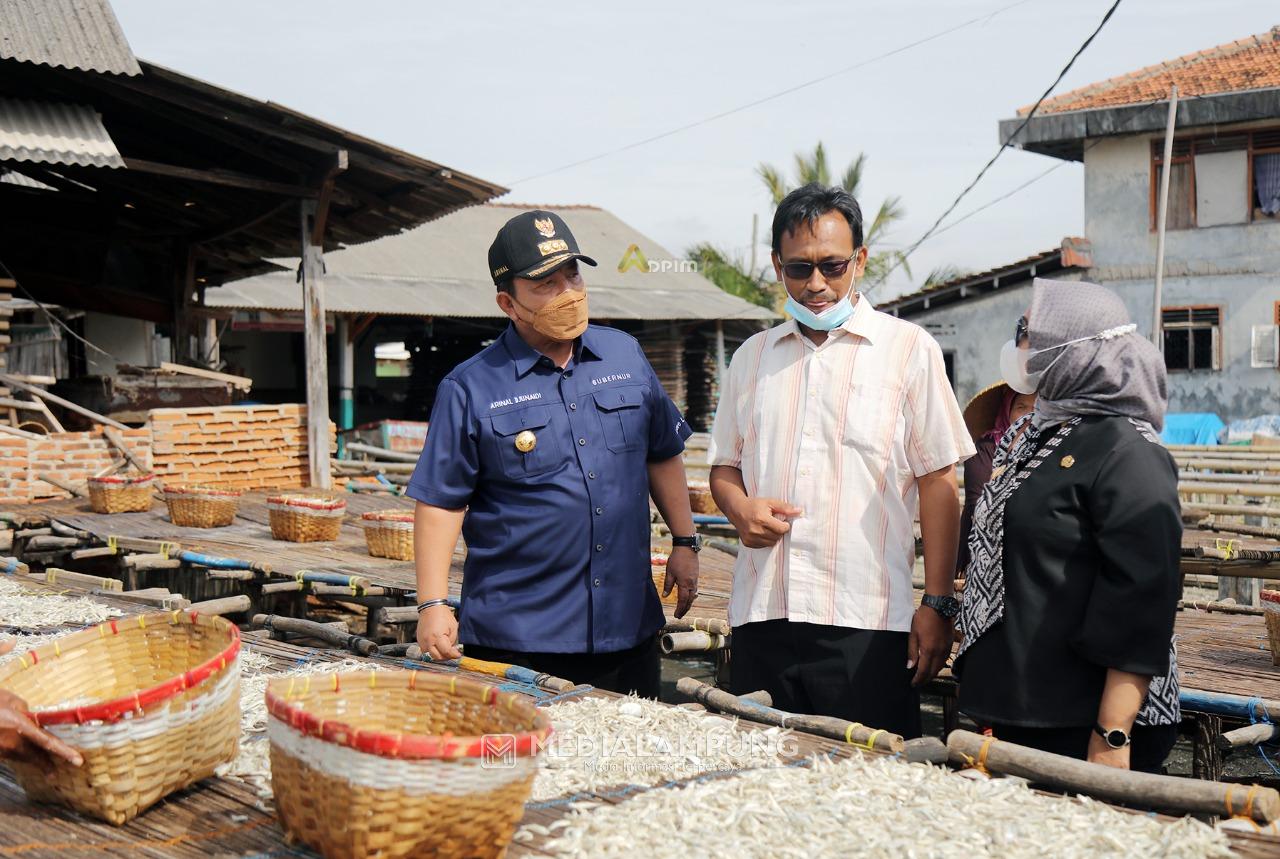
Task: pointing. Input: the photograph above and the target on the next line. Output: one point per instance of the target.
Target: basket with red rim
(121, 493)
(196, 506)
(389, 533)
(401, 763)
(152, 703)
(305, 518)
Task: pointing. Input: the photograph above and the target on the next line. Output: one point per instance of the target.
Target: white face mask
(1013, 361)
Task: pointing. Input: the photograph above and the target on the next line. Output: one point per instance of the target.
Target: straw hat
(980, 414)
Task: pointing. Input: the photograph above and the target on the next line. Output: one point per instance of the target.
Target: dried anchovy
(602, 742)
(28, 642)
(26, 609)
(864, 806)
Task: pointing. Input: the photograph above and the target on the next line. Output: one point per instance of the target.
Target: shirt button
(573, 407)
(599, 511)
(582, 442)
(599, 547)
(596, 583)
(813, 392)
(805, 472)
(809, 433)
(591, 474)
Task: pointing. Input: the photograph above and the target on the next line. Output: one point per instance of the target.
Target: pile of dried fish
(22, 608)
(603, 742)
(866, 806)
(22, 643)
(253, 764)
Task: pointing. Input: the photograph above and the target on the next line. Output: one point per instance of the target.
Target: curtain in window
(1266, 177)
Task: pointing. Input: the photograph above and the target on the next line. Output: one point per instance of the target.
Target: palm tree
(814, 168)
(732, 275)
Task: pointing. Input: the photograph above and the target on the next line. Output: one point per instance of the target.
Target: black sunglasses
(1021, 332)
(830, 268)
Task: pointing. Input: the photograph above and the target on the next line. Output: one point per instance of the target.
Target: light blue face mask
(831, 318)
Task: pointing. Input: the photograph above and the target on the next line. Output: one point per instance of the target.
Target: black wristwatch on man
(694, 542)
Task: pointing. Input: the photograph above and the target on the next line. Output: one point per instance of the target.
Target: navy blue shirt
(558, 536)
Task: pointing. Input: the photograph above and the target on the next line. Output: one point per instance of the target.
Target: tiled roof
(1248, 64)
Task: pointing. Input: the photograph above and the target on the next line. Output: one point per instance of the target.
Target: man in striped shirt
(831, 428)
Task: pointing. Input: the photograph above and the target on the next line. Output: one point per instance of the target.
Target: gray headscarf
(1119, 376)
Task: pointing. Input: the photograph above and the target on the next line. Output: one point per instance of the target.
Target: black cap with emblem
(533, 245)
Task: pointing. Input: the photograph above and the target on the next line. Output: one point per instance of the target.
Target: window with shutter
(1265, 346)
(1192, 338)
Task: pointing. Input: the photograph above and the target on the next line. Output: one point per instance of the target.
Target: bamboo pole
(1252, 491)
(11, 382)
(713, 625)
(1162, 212)
(685, 642)
(1144, 790)
(355, 643)
(55, 576)
(118, 443)
(223, 605)
(380, 452)
(825, 726)
(75, 490)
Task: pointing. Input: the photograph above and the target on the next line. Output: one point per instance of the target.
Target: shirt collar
(525, 357)
(861, 322)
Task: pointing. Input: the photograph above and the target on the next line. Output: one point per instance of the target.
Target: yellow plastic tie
(871, 741)
(113, 545)
(372, 678)
(848, 732)
(1228, 548)
(166, 548)
(57, 648)
(142, 621)
(22, 660)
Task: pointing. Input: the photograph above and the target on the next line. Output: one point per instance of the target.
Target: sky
(512, 92)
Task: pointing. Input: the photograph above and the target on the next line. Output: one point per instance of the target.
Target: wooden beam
(8, 430)
(116, 441)
(218, 176)
(317, 361)
(54, 423)
(243, 383)
(13, 382)
(339, 165)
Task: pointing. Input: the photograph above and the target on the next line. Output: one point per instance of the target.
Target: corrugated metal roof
(9, 177)
(54, 133)
(440, 269)
(73, 34)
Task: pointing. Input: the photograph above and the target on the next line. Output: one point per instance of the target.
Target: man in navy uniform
(543, 451)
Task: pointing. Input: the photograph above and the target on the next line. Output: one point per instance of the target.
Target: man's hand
(438, 633)
(761, 522)
(23, 739)
(1101, 753)
(682, 574)
(929, 644)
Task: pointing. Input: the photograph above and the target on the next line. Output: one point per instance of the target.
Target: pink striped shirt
(842, 431)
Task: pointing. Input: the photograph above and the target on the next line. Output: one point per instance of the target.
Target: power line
(1008, 142)
(768, 98)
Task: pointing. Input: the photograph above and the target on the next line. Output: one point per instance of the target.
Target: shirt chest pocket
(872, 420)
(624, 421)
(527, 443)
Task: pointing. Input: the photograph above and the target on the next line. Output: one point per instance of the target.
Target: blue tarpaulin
(1191, 428)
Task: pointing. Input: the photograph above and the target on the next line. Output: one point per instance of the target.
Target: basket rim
(1269, 595)
(313, 502)
(121, 479)
(115, 709)
(398, 745)
(388, 516)
(197, 489)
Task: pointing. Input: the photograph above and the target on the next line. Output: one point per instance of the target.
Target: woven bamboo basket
(389, 534)
(201, 506)
(390, 764)
(658, 568)
(1271, 606)
(152, 703)
(119, 494)
(701, 501)
(305, 518)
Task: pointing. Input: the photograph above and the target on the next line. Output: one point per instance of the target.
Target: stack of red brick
(68, 456)
(232, 447)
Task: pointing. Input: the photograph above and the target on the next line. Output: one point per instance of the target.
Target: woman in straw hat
(1074, 571)
(988, 417)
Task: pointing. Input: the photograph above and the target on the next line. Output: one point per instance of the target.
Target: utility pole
(1157, 316)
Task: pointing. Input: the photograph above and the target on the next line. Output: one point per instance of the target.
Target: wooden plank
(15, 382)
(118, 443)
(75, 490)
(54, 423)
(227, 178)
(242, 383)
(8, 430)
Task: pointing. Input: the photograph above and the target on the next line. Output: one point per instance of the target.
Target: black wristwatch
(694, 542)
(947, 606)
(1116, 738)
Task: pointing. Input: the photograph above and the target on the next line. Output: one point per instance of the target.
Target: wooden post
(346, 380)
(211, 347)
(316, 353)
(1161, 214)
(1206, 754)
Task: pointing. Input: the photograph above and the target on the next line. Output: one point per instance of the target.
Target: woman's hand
(438, 633)
(21, 738)
(1101, 753)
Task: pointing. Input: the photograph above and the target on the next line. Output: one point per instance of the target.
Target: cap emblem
(546, 226)
(553, 246)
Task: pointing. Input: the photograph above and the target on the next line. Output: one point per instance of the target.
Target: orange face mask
(563, 317)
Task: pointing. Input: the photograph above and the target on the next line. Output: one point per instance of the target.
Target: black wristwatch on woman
(1116, 738)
